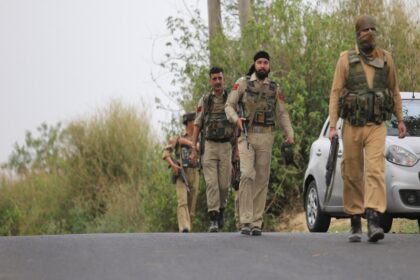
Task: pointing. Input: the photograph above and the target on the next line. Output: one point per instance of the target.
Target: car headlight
(399, 155)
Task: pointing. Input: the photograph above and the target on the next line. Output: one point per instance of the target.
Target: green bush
(104, 176)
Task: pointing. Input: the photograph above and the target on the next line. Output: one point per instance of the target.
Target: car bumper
(403, 185)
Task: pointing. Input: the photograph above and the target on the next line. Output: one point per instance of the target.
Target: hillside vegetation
(104, 173)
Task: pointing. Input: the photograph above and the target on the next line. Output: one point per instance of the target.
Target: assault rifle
(236, 168)
(242, 115)
(181, 174)
(202, 141)
(331, 163)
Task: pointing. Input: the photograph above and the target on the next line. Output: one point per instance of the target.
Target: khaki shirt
(238, 91)
(218, 105)
(340, 77)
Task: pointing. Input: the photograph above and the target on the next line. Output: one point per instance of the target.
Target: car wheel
(316, 220)
(385, 222)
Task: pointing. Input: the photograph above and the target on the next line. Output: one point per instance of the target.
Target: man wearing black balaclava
(262, 105)
(365, 94)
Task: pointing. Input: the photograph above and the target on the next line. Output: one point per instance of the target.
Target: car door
(336, 199)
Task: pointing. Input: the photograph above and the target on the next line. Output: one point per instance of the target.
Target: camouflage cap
(188, 117)
(364, 22)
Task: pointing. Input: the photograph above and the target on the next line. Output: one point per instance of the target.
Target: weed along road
(162, 256)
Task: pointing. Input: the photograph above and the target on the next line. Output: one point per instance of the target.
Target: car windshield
(411, 111)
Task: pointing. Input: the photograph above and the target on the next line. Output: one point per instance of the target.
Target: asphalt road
(205, 256)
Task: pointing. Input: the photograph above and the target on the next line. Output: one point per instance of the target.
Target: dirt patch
(296, 222)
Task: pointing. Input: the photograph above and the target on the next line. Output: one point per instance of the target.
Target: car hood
(411, 143)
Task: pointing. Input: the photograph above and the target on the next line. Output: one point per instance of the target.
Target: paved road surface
(173, 256)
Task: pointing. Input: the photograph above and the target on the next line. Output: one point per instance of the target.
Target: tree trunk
(215, 23)
(215, 19)
(245, 13)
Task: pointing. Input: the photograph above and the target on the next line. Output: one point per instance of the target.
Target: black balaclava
(367, 41)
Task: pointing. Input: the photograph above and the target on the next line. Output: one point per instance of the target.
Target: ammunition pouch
(185, 156)
(217, 127)
(264, 118)
(362, 107)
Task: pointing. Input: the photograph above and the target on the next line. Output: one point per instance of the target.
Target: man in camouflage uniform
(212, 123)
(263, 104)
(365, 93)
(182, 146)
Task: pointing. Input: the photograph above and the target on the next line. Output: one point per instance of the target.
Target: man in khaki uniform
(263, 104)
(212, 123)
(182, 146)
(365, 93)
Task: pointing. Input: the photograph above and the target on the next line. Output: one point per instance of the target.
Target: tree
(245, 13)
(38, 154)
(304, 41)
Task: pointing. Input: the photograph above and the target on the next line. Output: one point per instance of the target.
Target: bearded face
(261, 74)
(262, 68)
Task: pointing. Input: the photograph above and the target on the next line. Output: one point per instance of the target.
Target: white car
(402, 173)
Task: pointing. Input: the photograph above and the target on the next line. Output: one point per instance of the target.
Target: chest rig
(183, 154)
(359, 104)
(260, 103)
(216, 125)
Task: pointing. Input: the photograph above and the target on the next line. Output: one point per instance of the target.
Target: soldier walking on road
(365, 94)
(212, 123)
(185, 173)
(262, 102)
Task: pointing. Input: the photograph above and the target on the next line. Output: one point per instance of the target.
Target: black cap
(261, 54)
(188, 117)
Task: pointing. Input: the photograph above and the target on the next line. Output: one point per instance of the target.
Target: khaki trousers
(187, 201)
(237, 220)
(363, 168)
(255, 172)
(217, 169)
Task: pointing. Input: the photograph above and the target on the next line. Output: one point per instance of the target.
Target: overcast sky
(61, 60)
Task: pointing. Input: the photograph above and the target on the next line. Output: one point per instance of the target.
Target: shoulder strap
(207, 102)
(273, 86)
(353, 56)
(225, 96)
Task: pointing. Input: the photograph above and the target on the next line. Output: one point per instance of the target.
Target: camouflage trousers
(362, 168)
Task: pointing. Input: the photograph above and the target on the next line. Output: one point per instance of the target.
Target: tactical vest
(260, 103)
(216, 125)
(183, 153)
(359, 104)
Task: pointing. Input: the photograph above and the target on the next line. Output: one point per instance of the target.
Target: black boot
(375, 232)
(214, 225)
(356, 229)
(246, 229)
(221, 218)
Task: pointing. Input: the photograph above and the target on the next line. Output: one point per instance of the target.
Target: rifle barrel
(241, 110)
